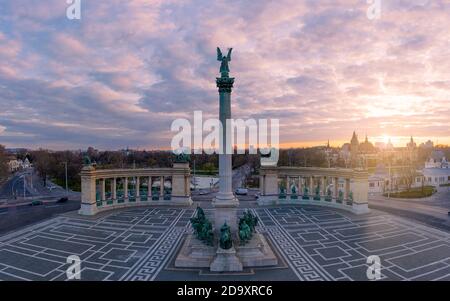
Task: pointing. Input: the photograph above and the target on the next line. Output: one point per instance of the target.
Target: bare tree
(3, 163)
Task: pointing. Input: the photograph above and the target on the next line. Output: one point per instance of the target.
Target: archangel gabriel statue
(224, 69)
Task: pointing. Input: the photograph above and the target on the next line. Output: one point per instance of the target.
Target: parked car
(36, 203)
(62, 200)
(241, 191)
(203, 192)
(51, 187)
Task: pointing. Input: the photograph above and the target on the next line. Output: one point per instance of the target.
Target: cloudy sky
(119, 76)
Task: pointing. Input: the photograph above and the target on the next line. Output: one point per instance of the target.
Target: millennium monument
(230, 245)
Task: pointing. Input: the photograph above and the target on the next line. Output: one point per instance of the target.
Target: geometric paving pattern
(316, 244)
(321, 244)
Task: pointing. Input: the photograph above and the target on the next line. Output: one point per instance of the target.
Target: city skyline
(327, 70)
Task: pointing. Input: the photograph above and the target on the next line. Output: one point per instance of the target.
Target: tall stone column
(125, 189)
(300, 186)
(324, 186)
(102, 190)
(161, 188)
(288, 190)
(149, 188)
(360, 188)
(88, 191)
(336, 187)
(113, 189)
(347, 188)
(138, 187)
(225, 201)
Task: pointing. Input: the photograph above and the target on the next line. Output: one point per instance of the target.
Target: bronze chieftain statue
(224, 69)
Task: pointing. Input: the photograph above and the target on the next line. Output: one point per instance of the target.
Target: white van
(241, 191)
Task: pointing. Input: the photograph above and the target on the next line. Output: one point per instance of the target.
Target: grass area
(414, 193)
(445, 185)
(73, 185)
(206, 172)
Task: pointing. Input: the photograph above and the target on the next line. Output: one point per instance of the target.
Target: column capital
(225, 84)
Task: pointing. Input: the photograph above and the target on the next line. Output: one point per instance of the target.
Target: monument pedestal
(256, 253)
(225, 211)
(226, 261)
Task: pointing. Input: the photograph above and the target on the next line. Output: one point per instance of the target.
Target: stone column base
(256, 253)
(181, 200)
(225, 211)
(360, 208)
(88, 209)
(226, 261)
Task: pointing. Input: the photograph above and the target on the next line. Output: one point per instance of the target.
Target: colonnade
(333, 187)
(94, 196)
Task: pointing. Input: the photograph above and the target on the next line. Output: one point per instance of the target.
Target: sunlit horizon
(323, 68)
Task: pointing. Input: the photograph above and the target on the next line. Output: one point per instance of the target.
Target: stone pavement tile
(419, 271)
(332, 252)
(84, 232)
(426, 244)
(60, 245)
(335, 269)
(358, 231)
(422, 258)
(321, 261)
(390, 242)
(9, 277)
(96, 258)
(28, 263)
(434, 275)
(17, 249)
(93, 275)
(118, 254)
(117, 273)
(59, 253)
(358, 273)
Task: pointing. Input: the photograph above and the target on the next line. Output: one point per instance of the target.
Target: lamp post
(195, 179)
(65, 171)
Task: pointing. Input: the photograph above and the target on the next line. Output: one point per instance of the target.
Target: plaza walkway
(312, 243)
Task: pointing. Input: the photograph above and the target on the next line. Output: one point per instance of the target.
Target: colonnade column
(161, 187)
(311, 186)
(125, 189)
(347, 188)
(288, 191)
(324, 185)
(300, 191)
(149, 188)
(336, 187)
(88, 191)
(102, 190)
(113, 189)
(138, 187)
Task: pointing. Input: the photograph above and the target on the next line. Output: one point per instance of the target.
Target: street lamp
(67, 184)
(195, 180)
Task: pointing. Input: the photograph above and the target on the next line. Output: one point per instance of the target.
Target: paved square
(313, 243)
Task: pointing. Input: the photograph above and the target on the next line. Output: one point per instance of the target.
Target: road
(14, 217)
(12, 192)
(239, 175)
(15, 186)
(432, 211)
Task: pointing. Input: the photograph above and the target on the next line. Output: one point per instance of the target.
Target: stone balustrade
(100, 189)
(333, 187)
